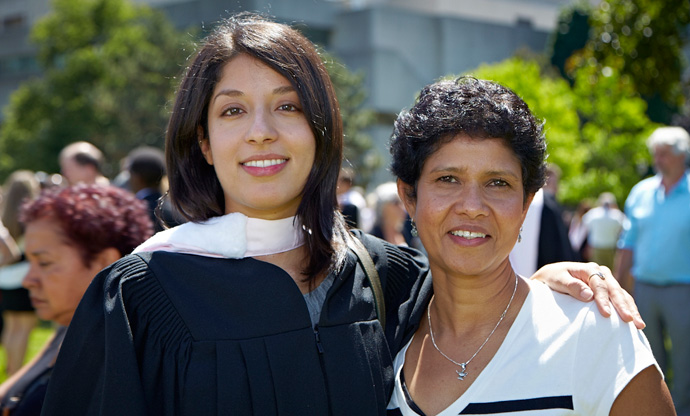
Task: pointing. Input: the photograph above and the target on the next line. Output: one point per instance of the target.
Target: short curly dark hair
(93, 217)
(477, 108)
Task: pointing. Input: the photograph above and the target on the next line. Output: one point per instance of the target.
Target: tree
(360, 152)
(594, 133)
(109, 69)
(642, 40)
(571, 35)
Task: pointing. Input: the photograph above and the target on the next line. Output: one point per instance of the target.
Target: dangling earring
(520, 235)
(414, 231)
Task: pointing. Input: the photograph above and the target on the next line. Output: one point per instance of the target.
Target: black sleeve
(554, 245)
(406, 282)
(96, 372)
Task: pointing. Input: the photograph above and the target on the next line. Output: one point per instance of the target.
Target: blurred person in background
(352, 203)
(82, 162)
(146, 167)
(390, 217)
(48, 180)
(544, 235)
(71, 234)
(603, 224)
(577, 232)
(653, 258)
(17, 313)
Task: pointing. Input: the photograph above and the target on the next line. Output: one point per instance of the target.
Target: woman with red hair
(71, 234)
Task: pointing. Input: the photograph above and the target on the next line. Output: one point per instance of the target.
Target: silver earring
(520, 235)
(414, 231)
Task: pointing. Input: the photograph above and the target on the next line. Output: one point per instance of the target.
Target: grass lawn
(37, 340)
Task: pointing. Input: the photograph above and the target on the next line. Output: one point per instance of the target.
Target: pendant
(462, 374)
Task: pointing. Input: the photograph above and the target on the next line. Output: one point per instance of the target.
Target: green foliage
(360, 152)
(641, 40)
(571, 35)
(37, 340)
(109, 69)
(552, 101)
(614, 130)
(595, 132)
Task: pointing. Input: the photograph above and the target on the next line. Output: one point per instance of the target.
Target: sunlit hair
(22, 185)
(194, 188)
(675, 137)
(84, 153)
(477, 108)
(93, 218)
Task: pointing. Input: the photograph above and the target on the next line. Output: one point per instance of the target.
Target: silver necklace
(462, 373)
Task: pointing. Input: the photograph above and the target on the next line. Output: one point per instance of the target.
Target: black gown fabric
(176, 334)
(554, 244)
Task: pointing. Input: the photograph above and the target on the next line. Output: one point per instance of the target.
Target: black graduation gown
(177, 334)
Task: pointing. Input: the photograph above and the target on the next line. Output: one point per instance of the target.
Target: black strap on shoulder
(372, 275)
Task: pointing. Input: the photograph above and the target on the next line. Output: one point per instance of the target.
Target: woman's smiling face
(470, 205)
(259, 141)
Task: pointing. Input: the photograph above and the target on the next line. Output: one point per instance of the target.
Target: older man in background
(654, 256)
(82, 162)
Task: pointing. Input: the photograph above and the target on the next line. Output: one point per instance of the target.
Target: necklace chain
(462, 373)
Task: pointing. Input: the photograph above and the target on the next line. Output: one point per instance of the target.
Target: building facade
(399, 45)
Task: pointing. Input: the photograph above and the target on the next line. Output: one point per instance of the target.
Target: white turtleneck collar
(232, 236)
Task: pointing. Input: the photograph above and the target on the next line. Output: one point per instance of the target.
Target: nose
(31, 279)
(262, 128)
(470, 201)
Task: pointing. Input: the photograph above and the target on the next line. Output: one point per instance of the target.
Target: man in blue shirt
(654, 256)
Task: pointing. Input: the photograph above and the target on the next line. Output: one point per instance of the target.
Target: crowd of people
(266, 283)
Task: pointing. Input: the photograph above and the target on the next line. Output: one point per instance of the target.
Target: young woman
(256, 306)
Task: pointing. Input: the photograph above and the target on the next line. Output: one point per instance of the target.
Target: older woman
(71, 234)
(469, 157)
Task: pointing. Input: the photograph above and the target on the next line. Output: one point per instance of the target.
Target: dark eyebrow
(228, 93)
(503, 173)
(286, 89)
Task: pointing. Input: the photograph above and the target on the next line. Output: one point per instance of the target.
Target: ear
(204, 145)
(526, 206)
(106, 257)
(404, 192)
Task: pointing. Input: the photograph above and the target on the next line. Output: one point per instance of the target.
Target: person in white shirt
(469, 157)
(604, 224)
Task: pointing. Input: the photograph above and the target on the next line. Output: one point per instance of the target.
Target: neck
(293, 262)
(671, 179)
(468, 303)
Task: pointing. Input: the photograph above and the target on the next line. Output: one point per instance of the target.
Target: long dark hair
(194, 188)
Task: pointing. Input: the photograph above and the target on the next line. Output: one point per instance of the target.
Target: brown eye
(288, 107)
(498, 182)
(232, 111)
